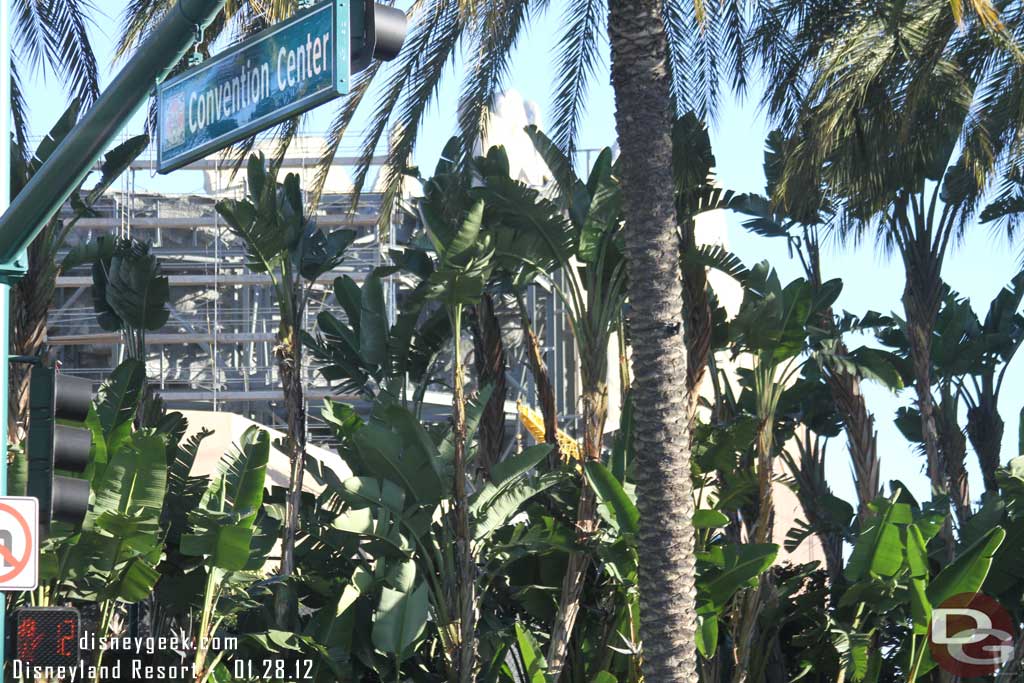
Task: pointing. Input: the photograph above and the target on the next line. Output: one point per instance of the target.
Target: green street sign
(287, 69)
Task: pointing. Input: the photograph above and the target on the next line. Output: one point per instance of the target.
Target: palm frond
(19, 115)
(496, 37)
(137, 20)
(413, 89)
(339, 126)
(705, 50)
(578, 58)
(53, 36)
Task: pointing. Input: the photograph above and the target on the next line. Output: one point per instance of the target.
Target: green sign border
(341, 63)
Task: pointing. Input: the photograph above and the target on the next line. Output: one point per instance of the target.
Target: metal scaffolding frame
(216, 351)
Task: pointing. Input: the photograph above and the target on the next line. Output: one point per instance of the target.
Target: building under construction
(216, 350)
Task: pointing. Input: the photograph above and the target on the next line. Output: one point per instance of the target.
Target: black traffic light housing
(47, 636)
(378, 32)
(54, 446)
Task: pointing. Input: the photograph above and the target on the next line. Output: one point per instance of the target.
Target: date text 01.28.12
(273, 669)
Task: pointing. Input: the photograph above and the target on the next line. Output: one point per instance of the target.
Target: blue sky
(978, 268)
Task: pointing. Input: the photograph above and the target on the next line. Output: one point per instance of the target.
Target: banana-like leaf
(136, 290)
(115, 162)
(240, 478)
(373, 323)
(379, 527)
(134, 481)
(360, 492)
(616, 506)
(506, 473)
(532, 656)
(135, 581)
(509, 502)
(732, 567)
(707, 635)
(967, 572)
(402, 454)
(400, 621)
(879, 549)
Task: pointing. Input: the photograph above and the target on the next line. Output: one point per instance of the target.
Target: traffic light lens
(71, 447)
(70, 499)
(73, 395)
(389, 27)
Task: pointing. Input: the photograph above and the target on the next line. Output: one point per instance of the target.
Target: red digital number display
(47, 636)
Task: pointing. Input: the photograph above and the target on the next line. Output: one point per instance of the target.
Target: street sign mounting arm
(71, 162)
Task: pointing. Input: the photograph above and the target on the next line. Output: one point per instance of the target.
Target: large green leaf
(572, 191)
(533, 657)
(520, 463)
(617, 508)
(734, 566)
(133, 287)
(400, 620)
(240, 478)
(506, 473)
(967, 572)
(118, 397)
(115, 162)
(403, 454)
(508, 502)
(373, 323)
(360, 492)
(879, 549)
(135, 581)
(225, 544)
(467, 236)
(378, 526)
(134, 480)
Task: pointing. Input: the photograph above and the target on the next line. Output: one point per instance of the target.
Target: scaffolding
(216, 350)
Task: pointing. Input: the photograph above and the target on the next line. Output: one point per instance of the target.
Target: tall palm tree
(640, 78)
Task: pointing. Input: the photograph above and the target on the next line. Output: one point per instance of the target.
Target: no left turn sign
(19, 543)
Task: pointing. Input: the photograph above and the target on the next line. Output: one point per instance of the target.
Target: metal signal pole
(5, 282)
(73, 160)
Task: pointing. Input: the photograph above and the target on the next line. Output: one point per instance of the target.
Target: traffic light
(378, 32)
(53, 446)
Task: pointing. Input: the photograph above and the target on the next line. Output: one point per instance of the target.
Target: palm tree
(48, 36)
(905, 119)
(640, 78)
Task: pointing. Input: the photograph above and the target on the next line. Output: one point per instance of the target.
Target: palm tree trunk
(922, 294)
(698, 326)
(30, 304)
(953, 449)
(289, 365)
(861, 437)
(985, 429)
(541, 380)
(465, 662)
(664, 486)
(921, 298)
(595, 413)
(489, 358)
